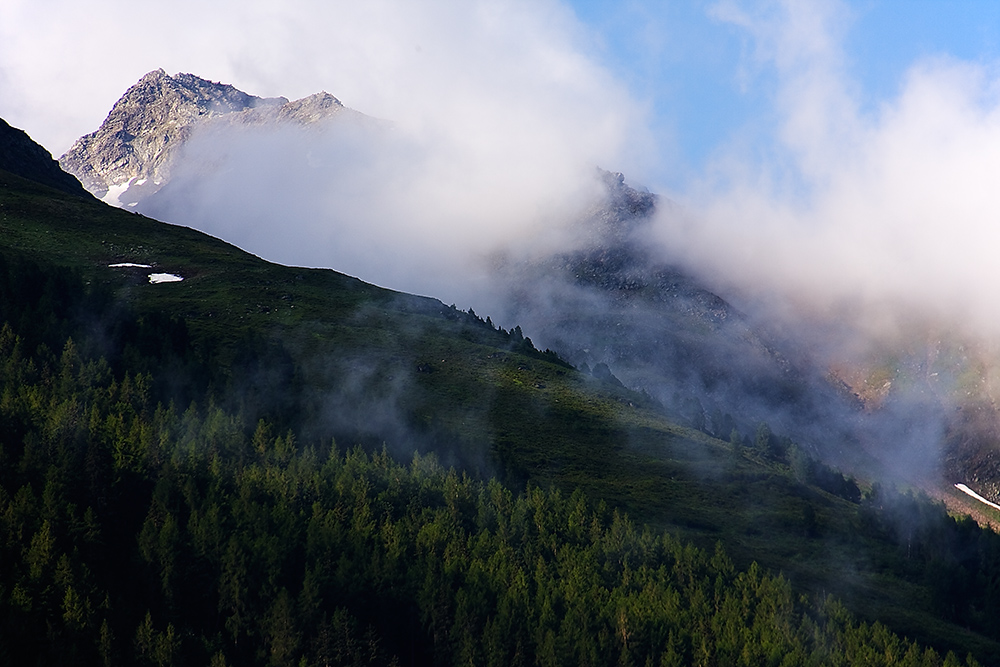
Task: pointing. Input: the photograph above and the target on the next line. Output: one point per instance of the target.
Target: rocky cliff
(135, 147)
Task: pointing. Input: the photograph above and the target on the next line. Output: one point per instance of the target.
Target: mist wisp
(864, 238)
(371, 200)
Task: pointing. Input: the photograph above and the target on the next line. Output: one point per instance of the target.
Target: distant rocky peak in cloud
(613, 220)
(129, 157)
(310, 109)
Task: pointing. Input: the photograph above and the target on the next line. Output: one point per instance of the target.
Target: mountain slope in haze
(953, 379)
(316, 355)
(326, 351)
(610, 302)
(923, 407)
(129, 157)
(202, 544)
(613, 301)
(22, 156)
(187, 150)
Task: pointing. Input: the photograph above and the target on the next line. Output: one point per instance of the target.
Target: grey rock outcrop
(135, 147)
(311, 109)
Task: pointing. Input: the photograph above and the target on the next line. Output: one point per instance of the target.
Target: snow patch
(155, 278)
(964, 489)
(116, 191)
(122, 265)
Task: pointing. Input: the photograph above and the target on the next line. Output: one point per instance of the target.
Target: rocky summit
(614, 302)
(134, 148)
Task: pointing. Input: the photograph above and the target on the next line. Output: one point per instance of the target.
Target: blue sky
(700, 76)
(858, 143)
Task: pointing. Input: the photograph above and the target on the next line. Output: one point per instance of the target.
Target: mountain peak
(155, 74)
(135, 146)
(135, 142)
(311, 108)
(622, 210)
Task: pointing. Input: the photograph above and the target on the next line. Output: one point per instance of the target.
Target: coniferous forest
(169, 497)
(134, 533)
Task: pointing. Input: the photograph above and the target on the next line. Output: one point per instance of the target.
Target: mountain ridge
(130, 155)
(614, 300)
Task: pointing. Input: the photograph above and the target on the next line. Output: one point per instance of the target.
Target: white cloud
(497, 72)
(499, 115)
(375, 202)
(499, 106)
(886, 216)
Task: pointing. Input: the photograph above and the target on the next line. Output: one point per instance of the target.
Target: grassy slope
(544, 421)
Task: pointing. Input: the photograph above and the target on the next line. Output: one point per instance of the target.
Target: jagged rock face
(615, 301)
(135, 147)
(144, 127)
(22, 156)
(310, 109)
(598, 302)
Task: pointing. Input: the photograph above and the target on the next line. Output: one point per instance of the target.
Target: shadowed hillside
(159, 428)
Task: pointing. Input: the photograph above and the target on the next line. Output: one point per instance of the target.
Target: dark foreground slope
(199, 446)
(142, 536)
(313, 348)
(22, 156)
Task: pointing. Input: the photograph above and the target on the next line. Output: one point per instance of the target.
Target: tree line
(133, 532)
(146, 517)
